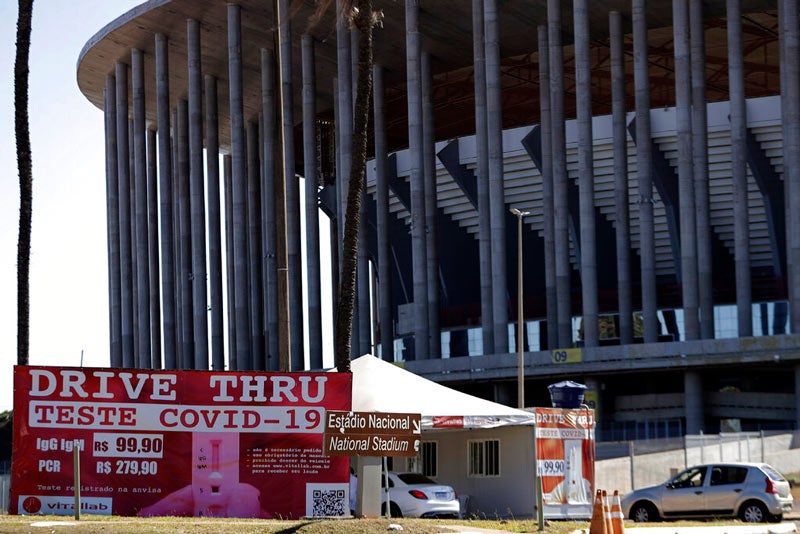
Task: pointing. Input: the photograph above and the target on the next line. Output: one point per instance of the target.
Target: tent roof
(380, 386)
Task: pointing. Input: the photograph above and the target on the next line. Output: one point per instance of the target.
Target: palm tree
(363, 18)
(24, 165)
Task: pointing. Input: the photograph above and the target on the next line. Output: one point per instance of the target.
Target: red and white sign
(185, 443)
(565, 460)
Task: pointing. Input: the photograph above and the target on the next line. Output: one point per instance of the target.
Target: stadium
(607, 193)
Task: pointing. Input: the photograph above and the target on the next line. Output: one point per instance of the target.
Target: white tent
(456, 425)
(379, 386)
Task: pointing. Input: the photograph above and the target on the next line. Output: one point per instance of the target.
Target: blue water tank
(566, 394)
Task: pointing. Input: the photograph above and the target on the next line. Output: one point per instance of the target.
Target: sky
(68, 279)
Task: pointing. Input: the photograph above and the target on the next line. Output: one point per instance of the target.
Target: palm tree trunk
(24, 165)
(364, 19)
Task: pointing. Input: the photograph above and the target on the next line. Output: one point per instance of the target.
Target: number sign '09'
(185, 443)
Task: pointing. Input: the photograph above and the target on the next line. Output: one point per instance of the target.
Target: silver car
(753, 492)
(415, 495)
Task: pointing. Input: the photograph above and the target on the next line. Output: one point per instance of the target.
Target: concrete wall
(638, 471)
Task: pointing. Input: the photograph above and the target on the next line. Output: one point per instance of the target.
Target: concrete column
(312, 214)
(239, 189)
(268, 102)
(123, 175)
(185, 242)
(693, 402)
(644, 172)
(738, 118)
(214, 225)
(431, 207)
(197, 201)
(548, 211)
(382, 217)
(292, 197)
(620, 134)
(482, 178)
(254, 248)
(230, 284)
(418, 218)
(790, 103)
(166, 201)
(683, 130)
(497, 205)
(152, 244)
(705, 282)
(560, 178)
(134, 257)
(112, 224)
(362, 329)
(176, 248)
(583, 102)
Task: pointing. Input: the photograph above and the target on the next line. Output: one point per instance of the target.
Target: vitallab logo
(62, 505)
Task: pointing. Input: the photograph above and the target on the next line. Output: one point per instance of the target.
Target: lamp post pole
(520, 319)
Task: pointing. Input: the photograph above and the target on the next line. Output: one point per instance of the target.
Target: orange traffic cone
(598, 523)
(607, 514)
(616, 515)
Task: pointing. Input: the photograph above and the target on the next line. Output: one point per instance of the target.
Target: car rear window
(771, 473)
(415, 478)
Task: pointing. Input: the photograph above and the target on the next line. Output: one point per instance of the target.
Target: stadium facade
(638, 162)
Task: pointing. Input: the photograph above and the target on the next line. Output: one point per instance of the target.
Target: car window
(415, 478)
(727, 474)
(690, 478)
(771, 473)
(383, 482)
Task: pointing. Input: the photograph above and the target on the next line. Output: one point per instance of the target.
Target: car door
(725, 488)
(684, 495)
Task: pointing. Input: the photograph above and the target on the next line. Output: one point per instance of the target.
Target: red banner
(183, 443)
(565, 455)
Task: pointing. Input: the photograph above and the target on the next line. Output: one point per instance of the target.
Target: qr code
(327, 500)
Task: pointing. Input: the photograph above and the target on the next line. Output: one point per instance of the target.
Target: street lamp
(520, 331)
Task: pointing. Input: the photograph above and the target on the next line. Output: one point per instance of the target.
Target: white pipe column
(310, 171)
(583, 103)
(418, 231)
(197, 199)
(112, 224)
(644, 172)
(548, 210)
(123, 176)
(620, 135)
(166, 202)
(560, 178)
(482, 178)
(738, 118)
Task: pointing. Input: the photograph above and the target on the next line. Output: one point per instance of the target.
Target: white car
(415, 495)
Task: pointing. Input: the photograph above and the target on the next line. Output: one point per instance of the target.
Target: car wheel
(753, 512)
(643, 511)
(394, 510)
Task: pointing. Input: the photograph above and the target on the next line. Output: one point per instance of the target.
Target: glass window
(430, 465)
(484, 458)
